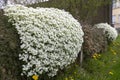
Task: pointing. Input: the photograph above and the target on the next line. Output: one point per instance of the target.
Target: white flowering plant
(110, 32)
(50, 38)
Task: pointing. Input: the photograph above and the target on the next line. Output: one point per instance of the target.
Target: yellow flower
(111, 73)
(96, 56)
(35, 77)
(75, 73)
(114, 52)
(114, 61)
(114, 43)
(71, 78)
(99, 55)
(66, 78)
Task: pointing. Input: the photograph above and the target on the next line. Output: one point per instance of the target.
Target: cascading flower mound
(50, 38)
(110, 32)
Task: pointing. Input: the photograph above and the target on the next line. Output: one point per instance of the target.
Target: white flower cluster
(110, 32)
(50, 38)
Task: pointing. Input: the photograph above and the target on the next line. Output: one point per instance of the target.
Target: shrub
(118, 30)
(50, 38)
(109, 31)
(9, 62)
(94, 40)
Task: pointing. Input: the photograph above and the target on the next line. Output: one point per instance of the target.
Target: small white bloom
(110, 32)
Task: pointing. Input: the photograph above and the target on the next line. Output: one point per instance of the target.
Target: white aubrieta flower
(50, 38)
(110, 32)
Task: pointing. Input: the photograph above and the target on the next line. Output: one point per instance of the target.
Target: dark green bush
(10, 66)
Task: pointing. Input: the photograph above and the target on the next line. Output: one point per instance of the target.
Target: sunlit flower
(99, 55)
(109, 31)
(113, 51)
(35, 77)
(111, 73)
(71, 78)
(66, 78)
(114, 61)
(96, 56)
(114, 43)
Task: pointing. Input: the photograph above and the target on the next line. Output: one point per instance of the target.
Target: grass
(104, 67)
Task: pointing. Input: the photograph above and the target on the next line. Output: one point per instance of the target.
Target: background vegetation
(92, 11)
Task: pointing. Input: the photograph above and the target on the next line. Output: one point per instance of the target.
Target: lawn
(104, 66)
